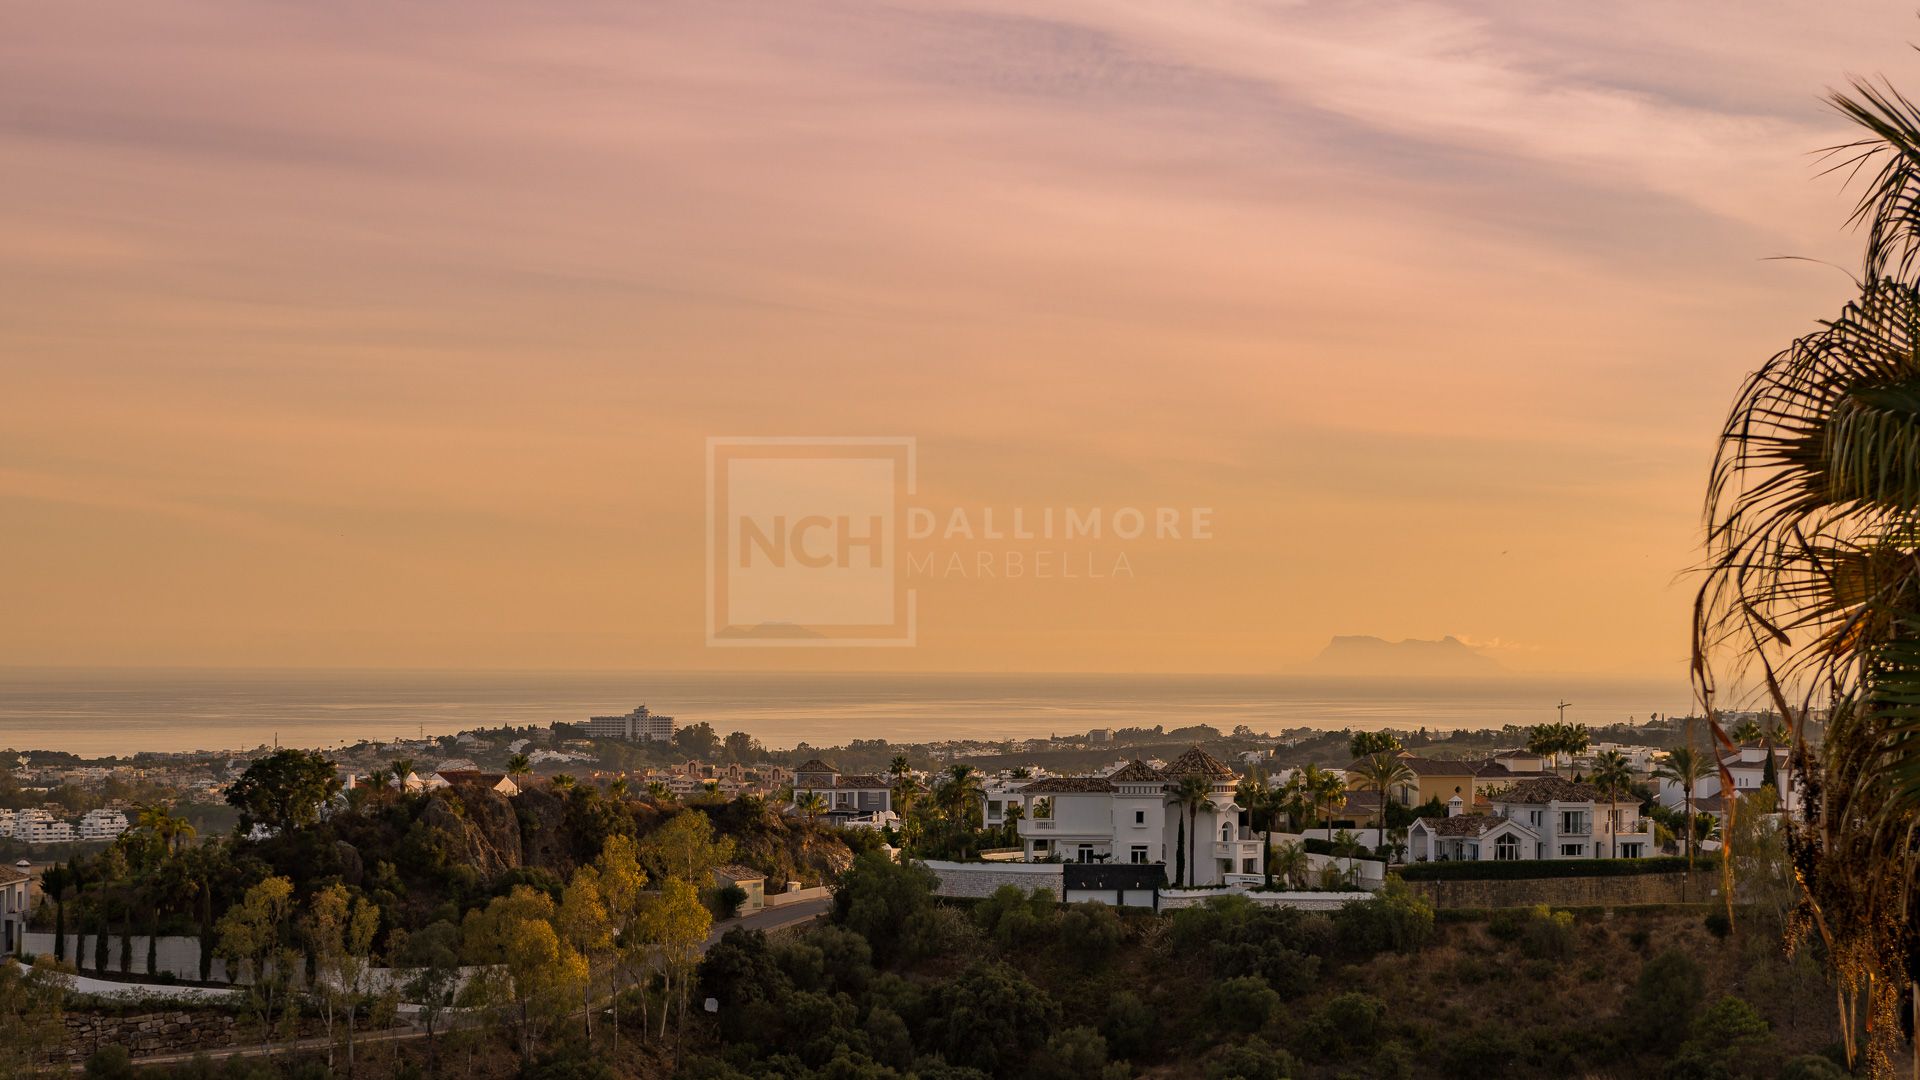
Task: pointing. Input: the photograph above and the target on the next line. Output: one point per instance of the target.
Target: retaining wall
(1617, 891)
(981, 879)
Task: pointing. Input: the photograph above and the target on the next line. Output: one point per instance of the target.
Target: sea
(101, 712)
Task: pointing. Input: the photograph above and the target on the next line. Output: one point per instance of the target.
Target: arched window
(1226, 830)
(1507, 848)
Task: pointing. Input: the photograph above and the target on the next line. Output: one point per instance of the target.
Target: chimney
(1455, 806)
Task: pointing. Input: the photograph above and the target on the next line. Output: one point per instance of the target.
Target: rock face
(544, 842)
(483, 829)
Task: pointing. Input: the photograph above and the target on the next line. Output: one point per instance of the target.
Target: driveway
(769, 919)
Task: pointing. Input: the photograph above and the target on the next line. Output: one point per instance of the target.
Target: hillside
(1364, 655)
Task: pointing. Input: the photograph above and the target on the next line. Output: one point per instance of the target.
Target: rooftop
(1549, 789)
(1197, 762)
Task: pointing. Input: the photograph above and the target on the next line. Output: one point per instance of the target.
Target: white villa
(16, 896)
(1127, 817)
(850, 798)
(1748, 767)
(1543, 818)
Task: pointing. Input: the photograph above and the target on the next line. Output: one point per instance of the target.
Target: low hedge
(1520, 869)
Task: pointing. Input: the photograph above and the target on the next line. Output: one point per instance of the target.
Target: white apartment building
(1128, 816)
(40, 827)
(1543, 818)
(102, 825)
(640, 725)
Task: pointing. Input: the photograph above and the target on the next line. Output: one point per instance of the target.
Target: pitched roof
(863, 781)
(1462, 825)
(1067, 785)
(736, 872)
(1548, 789)
(814, 765)
(1135, 772)
(1426, 766)
(1197, 762)
(1360, 804)
(11, 874)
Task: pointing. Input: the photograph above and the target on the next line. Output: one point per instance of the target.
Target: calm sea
(99, 712)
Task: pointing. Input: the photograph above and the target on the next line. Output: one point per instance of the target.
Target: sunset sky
(369, 334)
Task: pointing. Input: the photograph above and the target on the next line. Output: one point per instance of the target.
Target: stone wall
(145, 1034)
(981, 879)
(1667, 888)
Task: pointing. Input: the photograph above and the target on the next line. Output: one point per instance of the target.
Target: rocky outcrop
(482, 829)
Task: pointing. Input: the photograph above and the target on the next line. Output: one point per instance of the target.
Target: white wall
(179, 956)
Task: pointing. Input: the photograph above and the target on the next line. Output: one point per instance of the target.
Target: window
(1138, 856)
(993, 808)
(1086, 853)
(1573, 822)
(1226, 831)
(1139, 817)
(1507, 849)
(1572, 851)
(1533, 818)
(1630, 851)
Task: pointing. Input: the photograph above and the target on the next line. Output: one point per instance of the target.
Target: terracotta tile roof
(1360, 804)
(1197, 762)
(1494, 770)
(1068, 785)
(1424, 766)
(736, 872)
(1135, 772)
(863, 781)
(11, 875)
(814, 765)
(1546, 789)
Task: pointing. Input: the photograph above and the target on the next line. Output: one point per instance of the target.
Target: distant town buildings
(640, 725)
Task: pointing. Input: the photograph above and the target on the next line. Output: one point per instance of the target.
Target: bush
(1548, 934)
(1812, 1067)
(1718, 924)
(1129, 1026)
(1252, 1060)
(110, 1063)
(1245, 1003)
(1664, 1001)
(1495, 870)
(1394, 918)
(1352, 1020)
(727, 900)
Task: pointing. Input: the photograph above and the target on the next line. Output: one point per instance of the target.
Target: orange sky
(350, 334)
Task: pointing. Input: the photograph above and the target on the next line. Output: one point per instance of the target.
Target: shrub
(110, 1063)
(1548, 934)
(1353, 1020)
(1245, 1003)
(1718, 924)
(1129, 1026)
(1664, 1001)
(727, 900)
(1072, 1054)
(1812, 1067)
(1394, 918)
(1252, 1060)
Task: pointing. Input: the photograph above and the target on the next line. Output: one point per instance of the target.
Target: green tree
(339, 930)
(678, 924)
(685, 848)
(878, 898)
(284, 790)
(31, 1005)
(1369, 743)
(254, 936)
(697, 741)
(518, 766)
(432, 958)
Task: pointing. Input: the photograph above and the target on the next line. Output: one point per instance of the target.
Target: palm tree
(1382, 773)
(811, 806)
(519, 765)
(618, 789)
(659, 792)
(1612, 775)
(899, 767)
(1747, 731)
(1313, 792)
(1289, 861)
(1687, 769)
(402, 768)
(54, 882)
(562, 782)
(1813, 512)
(1190, 793)
(906, 791)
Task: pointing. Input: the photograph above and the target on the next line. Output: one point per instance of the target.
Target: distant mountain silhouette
(1366, 655)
